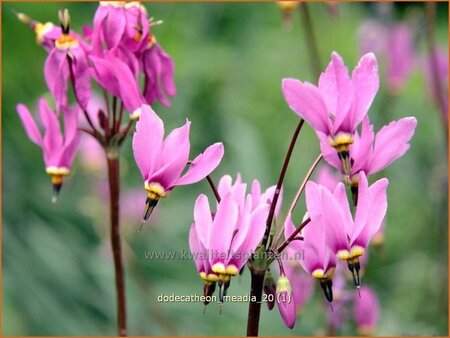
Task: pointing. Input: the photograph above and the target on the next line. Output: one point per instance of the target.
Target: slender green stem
(293, 236)
(114, 193)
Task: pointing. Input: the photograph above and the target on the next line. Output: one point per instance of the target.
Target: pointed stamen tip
(204, 308)
(331, 307)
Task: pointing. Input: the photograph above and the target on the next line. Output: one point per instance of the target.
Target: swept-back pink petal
(391, 142)
(147, 140)
(224, 185)
(361, 148)
(222, 230)
(371, 209)
(174, 156)
(167, 74)
(103, 73)
(203, 164)
(203, 219)
(53, 140)
(366, 82)
(306, 100)
(56, 73)
(329, 153)
(327, 178)
(82, 76)
(196, 249)
(113, 26)
(71, 137)
(337, 90)
(29, 124)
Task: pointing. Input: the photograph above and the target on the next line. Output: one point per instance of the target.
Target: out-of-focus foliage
(230, 59)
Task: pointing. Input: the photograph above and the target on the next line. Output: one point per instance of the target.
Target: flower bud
(286, 304)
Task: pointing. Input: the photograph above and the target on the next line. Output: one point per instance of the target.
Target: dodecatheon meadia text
(338, 104)
(162, 161)
(346, 236)
(58, 148)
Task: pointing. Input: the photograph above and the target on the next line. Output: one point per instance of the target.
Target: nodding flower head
(120, 23)
(67, 62)
(158, 68)
(162, 161)
(229, 237)
(302, 284)
(58, 149)
(338, 104)
(348, 237)
(317, 259)
(372, 153)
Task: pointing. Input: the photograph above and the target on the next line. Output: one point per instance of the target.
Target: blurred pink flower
(338, 104)
(395, 44)
(161, 162)
(371, 153)
(326, 177)
(366, 309)
(59, 149)
(92, 155)
(348, 238)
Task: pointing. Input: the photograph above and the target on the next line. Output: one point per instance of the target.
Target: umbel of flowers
(331, 230)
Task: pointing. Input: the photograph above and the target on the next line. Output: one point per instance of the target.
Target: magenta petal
(327, 178)
(222, 230)
(174, 156)
(103, 73)
(366, 82)
(362, 147)
(203, 164)
(337, 90)
(113, 26)
(82, 77)
(71, 137)
(147, 140)
(28, 123)
(53, 140)
(371, 209)
(391, 142)
(168, 69)
(306, 100)
(56, 74)
(195, 248)
(203, 219)
(224, 185)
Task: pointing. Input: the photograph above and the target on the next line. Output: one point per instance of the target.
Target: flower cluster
(117, 53)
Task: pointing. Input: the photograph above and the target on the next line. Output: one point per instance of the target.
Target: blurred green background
(230, 59)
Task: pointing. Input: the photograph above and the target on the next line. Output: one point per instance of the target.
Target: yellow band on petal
(343, 254)
(66, 41)
(155, 190)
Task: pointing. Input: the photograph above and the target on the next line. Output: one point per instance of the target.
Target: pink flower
(286, 304)
(158, 68)
(239, 188)
(317, 259)
(348, 238)
(366, 309)
(161, 162)
(115, 76)
(59, 150)
(228, 238)
(371, 154)
(68, 59)
(120, 23)
(327, 178)
(338, 104)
